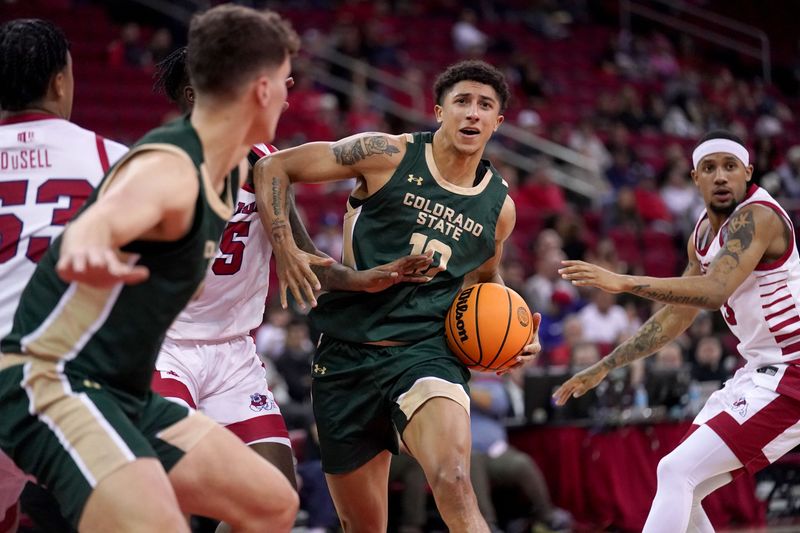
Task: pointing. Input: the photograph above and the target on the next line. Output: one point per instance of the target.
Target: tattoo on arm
(278, 227)
(741, 231)
(668, 297)
(351, 152)
(276, 197)
(647, 340)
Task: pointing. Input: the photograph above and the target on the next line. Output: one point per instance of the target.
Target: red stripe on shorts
(259, 428)
(171, 388)
(747, 440)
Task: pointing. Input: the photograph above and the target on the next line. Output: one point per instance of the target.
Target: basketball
(487, 326)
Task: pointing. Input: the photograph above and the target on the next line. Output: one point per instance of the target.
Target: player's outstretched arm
(370, 157)
(750, 232)
(664, 326)
(138, 204)
(335, 276)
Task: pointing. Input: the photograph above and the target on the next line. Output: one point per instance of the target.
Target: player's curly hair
(32, 51)
(171, 76)
(472, 70)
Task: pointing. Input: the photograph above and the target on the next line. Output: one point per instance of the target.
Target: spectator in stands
(622, 172)
(540, 190)
(525, 73)
(604, 321)
(584, 139)
(662, 62)
(682, 199)
(545, 291)
(789, 172)
(570, 226)
(468, 40)
(605, 254)
(571, 336)
(583, 355)
(361, 116)
(709, 363)
(683, 118)
(271, 335)
(128, 48)
(624, 213)
(160, 46)
(293, 364)
(505, 466)
(667, 380)
(512, 272)
(329, 237)
(547, 18)
(348, 40)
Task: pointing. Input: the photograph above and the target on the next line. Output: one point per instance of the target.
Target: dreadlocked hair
(171, 75)
(32, 51)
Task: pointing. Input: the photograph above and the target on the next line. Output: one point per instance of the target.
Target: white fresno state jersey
(231, 303)
(48, 167)
(763, 311)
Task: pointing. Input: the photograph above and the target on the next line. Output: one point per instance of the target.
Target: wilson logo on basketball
(523, 316)
(488, 326)
(461, 308)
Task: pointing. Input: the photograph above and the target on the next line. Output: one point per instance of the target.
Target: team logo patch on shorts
(261, 402)
(740, 406)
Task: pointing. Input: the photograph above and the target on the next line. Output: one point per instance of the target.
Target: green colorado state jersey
(112, 335)
(415, 211)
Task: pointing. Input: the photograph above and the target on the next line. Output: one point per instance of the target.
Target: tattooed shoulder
(349, 152)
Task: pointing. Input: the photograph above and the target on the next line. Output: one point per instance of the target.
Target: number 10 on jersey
(420, 244)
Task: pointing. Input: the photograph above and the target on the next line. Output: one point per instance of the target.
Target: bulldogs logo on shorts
(740, 406)
(261, 402)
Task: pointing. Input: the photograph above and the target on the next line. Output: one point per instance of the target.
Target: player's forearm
(272, 197)
(660, 329)
(338, 277)
(701, 292)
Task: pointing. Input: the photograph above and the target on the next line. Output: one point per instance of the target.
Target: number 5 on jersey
(421, 244)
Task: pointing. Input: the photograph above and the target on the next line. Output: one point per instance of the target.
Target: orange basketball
(487, 326)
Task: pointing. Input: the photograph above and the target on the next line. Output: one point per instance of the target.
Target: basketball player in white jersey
(48, 167)
(743, 261)
(208, 360)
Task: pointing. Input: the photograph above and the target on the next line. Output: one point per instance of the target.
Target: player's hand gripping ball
(487, 326)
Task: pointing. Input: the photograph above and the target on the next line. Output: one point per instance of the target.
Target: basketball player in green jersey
(76, 409)
(382, 368)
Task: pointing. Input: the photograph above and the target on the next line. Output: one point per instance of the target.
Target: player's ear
(262, 89)
(438, 111)
(58, 84)
(188, 94)
(500, 119)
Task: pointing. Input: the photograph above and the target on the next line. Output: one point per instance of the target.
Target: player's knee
(671, 470)
(451, 477)
(273, 510)
(136, 516)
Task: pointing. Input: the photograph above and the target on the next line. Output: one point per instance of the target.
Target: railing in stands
(702, 24)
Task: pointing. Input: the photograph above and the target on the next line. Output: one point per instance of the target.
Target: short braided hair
(32, 51)
(171, 75)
